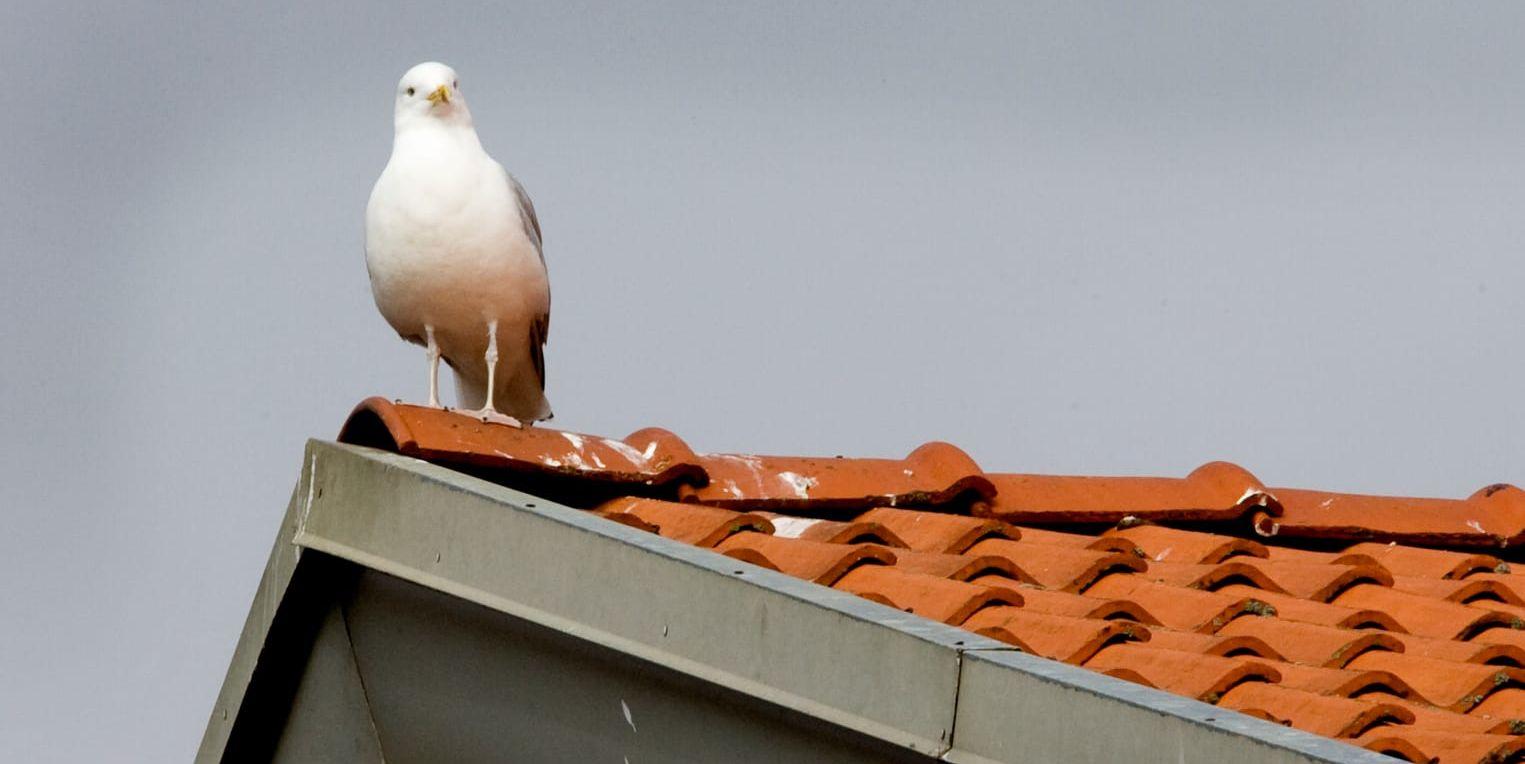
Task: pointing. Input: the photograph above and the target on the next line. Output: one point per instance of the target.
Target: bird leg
(488, 413)
(433, 368)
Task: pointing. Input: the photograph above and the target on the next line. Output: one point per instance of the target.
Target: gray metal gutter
(915, 684)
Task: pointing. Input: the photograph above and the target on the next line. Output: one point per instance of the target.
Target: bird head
(431, 91)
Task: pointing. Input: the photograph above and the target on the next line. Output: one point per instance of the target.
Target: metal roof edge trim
(929, 687)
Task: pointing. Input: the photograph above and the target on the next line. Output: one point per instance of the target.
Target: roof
(1393, 623)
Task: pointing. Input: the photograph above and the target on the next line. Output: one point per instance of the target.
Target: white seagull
(453, 249)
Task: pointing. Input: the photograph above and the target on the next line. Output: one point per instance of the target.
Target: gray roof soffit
(928, 687)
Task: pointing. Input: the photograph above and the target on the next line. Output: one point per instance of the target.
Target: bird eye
(410, 91)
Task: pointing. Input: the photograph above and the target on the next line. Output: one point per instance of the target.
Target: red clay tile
(1455, 686)
(938, 532)
(1414, 744)
(1204, 677)
(1081, 541)
(1309, 644)
(1346, 683)
(935, 474)
(963, 567)
(1513, 582)
(811, 560)
(1422, 615)
(452, 438)
(625, 518)
(829, 531)
(1213, 644)
(1161, 544)
(1318, 582)
(689, 523)
(1505, 708)
(1081, 606)
(1210, 577)
(1428, 717)
(1180, 609)
(940, 599)
(1416, 562)
(1215, 491)
(1502, 635)
(1072, 640)
(1320, 714)
(1058, 567)
(1465, 591)
(1307, 611)
(1494, 517)
(1461, 652)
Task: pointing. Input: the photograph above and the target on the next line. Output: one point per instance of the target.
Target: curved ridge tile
(1492, 517)
(1214, 491)
(934, 475)
(452, 438)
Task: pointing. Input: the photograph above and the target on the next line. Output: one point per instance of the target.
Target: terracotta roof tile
(811, 560)
(700, 526)
(830, 531)
(1493, 517)
(1421, 615)
(1215, 491)
(1251, 605)
(1180, 609)
(1059, 567)
(1326, 715)
(1204, 677)
(934, 597)
(1414, 744)
(1062, 638)
(936, 532)
(1162, 544)
(1310, 644)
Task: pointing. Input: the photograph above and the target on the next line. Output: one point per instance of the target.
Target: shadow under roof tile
(1162, 544)
(1177, 608)
(1417, 562)
(1422, 615)
(1428, 717)
(1326, 715)
(1500, 635)
(1414, 744)
(1203, 677)
(1214, 491)
(1058, 567)
(1061, 638)
(940, 599)
(1345, 682)
(690, 523)
(811, 560)
(1454, 686)
(1210, 577)
(937, 531)
(829, 531)
(1465, 591)
(962, 567)
(1310, 644)
(1323, 614)
(933, 475)
(457, 439)
(1080, 541)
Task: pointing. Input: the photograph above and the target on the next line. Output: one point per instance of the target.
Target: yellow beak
(441, 94)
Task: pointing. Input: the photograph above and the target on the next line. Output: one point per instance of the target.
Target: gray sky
(1066, 237)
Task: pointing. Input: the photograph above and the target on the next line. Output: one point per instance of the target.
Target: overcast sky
(1066, 237)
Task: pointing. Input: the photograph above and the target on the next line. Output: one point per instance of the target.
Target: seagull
(452, 246)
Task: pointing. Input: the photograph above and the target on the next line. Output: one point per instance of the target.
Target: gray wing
(540, 328)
